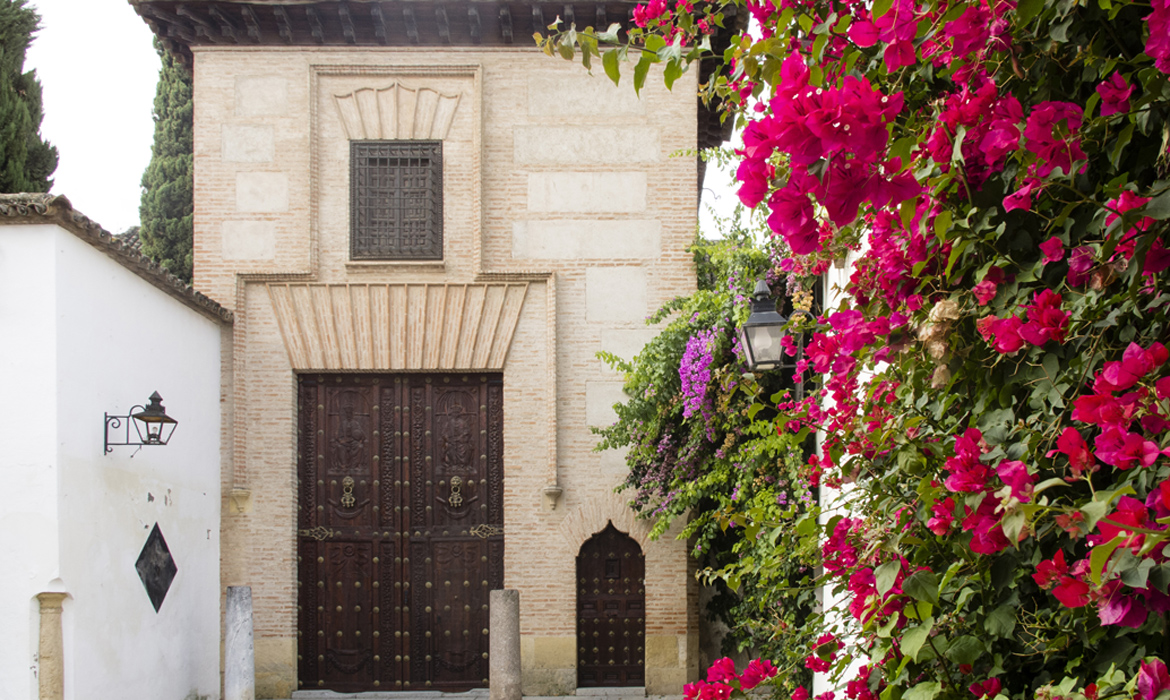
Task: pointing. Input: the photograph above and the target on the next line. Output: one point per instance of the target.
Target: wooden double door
(400, 530)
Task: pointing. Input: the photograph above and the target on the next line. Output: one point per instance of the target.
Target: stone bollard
(504, 649)
(239, 661)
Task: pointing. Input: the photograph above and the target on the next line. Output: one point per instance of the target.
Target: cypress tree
(26, 160)
(166, 211)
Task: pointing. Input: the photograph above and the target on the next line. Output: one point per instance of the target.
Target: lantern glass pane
(765, 342)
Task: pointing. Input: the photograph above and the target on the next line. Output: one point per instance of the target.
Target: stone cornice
(18, 209)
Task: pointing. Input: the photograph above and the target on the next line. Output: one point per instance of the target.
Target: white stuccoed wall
(101, 339)
(28, 463)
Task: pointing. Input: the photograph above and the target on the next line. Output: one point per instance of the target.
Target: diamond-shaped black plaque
(156, 568)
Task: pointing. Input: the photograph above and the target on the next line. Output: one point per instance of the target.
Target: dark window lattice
(396, 200)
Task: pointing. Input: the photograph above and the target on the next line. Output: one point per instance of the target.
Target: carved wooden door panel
(611, 611)
(400, 530)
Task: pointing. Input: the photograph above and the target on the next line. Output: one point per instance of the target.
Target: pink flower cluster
(722, 679)
(1158, 257)
(1115, 409)
(824, 653)
(834, 138)
(1046, 321)
(1116, 603)
(991, 123)
(1121, 405)
(1158, 43)
(970, 474)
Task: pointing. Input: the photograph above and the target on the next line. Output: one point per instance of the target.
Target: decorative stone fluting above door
(356, 327)
(396, 112)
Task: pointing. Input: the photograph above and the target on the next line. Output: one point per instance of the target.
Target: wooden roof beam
(411, 24)
(473, 25)
(346, 23)
(379, 24)
(505, 24)
(253, 23)
(443, 25)
(203, 27)
(227, 26)
(315, 27)
(283, 23)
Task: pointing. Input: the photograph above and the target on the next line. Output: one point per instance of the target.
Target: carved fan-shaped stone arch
(396, 112)
(611, 611)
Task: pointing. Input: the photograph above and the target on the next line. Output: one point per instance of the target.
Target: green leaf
(923, 691)
(965, 650)
(881, 7)
(674, 70)
(1001, 622)
(1100, 557)
(640, 71)
(886, 575)
(654, 43)
(942, 224)
(914, 637)
(922, 585)
(609, 61)
(1026, 10)
(1159, 207)
(1122, 141)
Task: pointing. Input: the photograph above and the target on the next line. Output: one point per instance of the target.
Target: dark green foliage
(167, 206)
(26, 160)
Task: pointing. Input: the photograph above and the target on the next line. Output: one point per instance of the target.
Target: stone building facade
(560, 221)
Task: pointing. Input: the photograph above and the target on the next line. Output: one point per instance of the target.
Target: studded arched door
(611, 611)
(400, 530)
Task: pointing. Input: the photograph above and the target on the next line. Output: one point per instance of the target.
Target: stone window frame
(368, 200)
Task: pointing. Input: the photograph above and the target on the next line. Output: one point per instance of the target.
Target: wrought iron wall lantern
(761, 336)
(151, 423)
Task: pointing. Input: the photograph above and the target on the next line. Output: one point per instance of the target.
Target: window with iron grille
(396, 200)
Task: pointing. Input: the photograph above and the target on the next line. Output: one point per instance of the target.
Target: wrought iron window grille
(396, 200)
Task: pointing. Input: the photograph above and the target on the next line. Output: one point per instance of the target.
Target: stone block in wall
(248, 143)
(591, 145)
(615, 295)
(587, 193)
(261, 192)
(586, 239)
(261, 95)
(599, 400)
(249, 240)
(626, 343)
(580, 95)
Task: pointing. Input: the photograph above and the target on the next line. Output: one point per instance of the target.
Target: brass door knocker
(347, 499)
(456, 498)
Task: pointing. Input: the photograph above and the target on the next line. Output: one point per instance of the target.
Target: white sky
(98, 68)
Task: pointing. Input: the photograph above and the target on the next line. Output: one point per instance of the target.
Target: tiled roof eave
(48, 208)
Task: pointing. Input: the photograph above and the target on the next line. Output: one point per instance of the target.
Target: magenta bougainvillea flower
(987, 689)
(1051, 133)
(722, 670)
(1073, 445)
(1114, 94)
(757, 671)
(1152, 679)
(1158, 41)
(1053, 250)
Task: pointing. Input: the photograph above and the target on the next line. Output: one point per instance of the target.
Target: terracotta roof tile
(49, 208)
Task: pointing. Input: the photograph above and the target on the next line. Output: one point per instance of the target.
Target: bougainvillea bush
(994, 386)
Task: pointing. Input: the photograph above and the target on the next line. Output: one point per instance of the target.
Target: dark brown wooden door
(611, 611)
(400, 530)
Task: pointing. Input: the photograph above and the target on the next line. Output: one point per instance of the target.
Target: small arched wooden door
(611, 611)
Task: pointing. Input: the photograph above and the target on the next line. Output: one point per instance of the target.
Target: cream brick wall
(531, 148)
